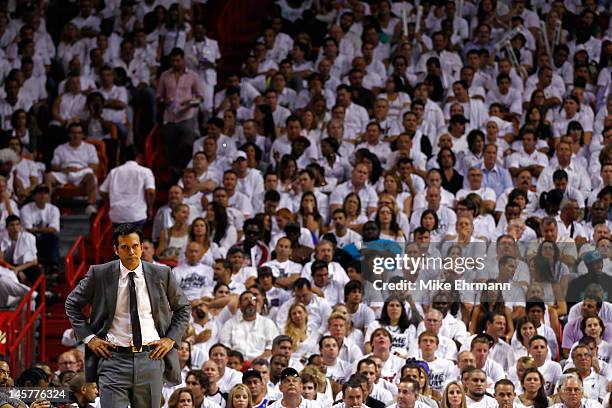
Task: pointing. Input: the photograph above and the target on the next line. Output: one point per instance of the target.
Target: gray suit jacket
(98, 289)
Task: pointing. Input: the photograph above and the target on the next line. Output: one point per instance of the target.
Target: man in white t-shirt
(76, 162)
(194, 278)
(284, 270)
(337, 369)
(42, 219)
(440, 369)
(249, 333)
(476, 384)
(550, 370)
(130, 189)
(480, 346)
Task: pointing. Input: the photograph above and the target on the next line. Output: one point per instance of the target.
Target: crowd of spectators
(444, 129)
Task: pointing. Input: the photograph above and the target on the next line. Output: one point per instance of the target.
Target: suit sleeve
(76, 301)
(180, 308)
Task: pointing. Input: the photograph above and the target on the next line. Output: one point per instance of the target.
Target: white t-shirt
(81, 156)
(485, 402)
(195, 280)
(126, 186)
(34, 217)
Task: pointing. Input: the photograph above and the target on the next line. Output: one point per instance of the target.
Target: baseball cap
(592, 256)
(458, 119)
(292, 226)
(240, 155)
(289, 372)
(303, 140)
(251, 373)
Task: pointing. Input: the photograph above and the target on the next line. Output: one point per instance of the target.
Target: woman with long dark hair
(397, 95)
(262, 115)
(534, 393)
(451, 180)
(490, 301)
(552, 274)
(287, 173)
(308, 214)
(222, 232)
(395, 319)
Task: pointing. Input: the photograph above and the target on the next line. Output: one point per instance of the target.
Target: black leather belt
(133, 349)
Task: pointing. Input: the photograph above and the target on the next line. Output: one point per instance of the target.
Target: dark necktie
(135, 320)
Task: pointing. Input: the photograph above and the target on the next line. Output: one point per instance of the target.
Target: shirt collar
(125, 271)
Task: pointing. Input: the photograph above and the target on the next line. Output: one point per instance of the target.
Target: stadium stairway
(74, 223)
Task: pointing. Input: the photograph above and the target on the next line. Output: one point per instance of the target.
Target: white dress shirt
(126, 186)
(120, 332)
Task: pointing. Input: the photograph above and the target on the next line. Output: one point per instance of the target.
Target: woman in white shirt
(389, 229)
(399, 101)
(222, 233)
(394, 318)
(534, 393)
(525, 330)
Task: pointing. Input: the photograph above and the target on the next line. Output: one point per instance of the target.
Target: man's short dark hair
(214, 346)
(12, 218)
(200, 377)
(316, 265)
(536, 338)
(504, 381)
(177, 52)
(302, 283)
(124, 230)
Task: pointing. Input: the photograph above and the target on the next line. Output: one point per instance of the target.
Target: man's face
(91, 392)
(504, 395)
(369, 372)
(291, 386)
(466, 359)
(67, 362)
(229, 181)
(219, 356)
(194, 385)
(321, 277)
(284, 349)
(499, 325)
(406, 397)
(177, 62)
(192, 253)
(582, 358)
(303, 295)
(337, 328)
(571, 392)
(264, 371)
(255, 385)
(76, 134)
(248, 305)
(433, 322)
(477, 384)
(353, 397)
(5, 375)
(538, 350)
(324, 252)
(549, 232)
(283, 248)
(428, 344)
(490, 156)
(481, 352)
(329, 349)
(129, 250)
(277, 365)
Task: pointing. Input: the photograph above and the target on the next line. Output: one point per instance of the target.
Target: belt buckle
(136, 349)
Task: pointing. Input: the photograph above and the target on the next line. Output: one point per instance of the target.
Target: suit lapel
(112, 285)
(151, 279)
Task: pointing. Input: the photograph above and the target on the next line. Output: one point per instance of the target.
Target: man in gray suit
(138, 316)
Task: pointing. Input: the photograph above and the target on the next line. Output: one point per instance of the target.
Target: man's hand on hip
(163, 347)
(100, 347)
